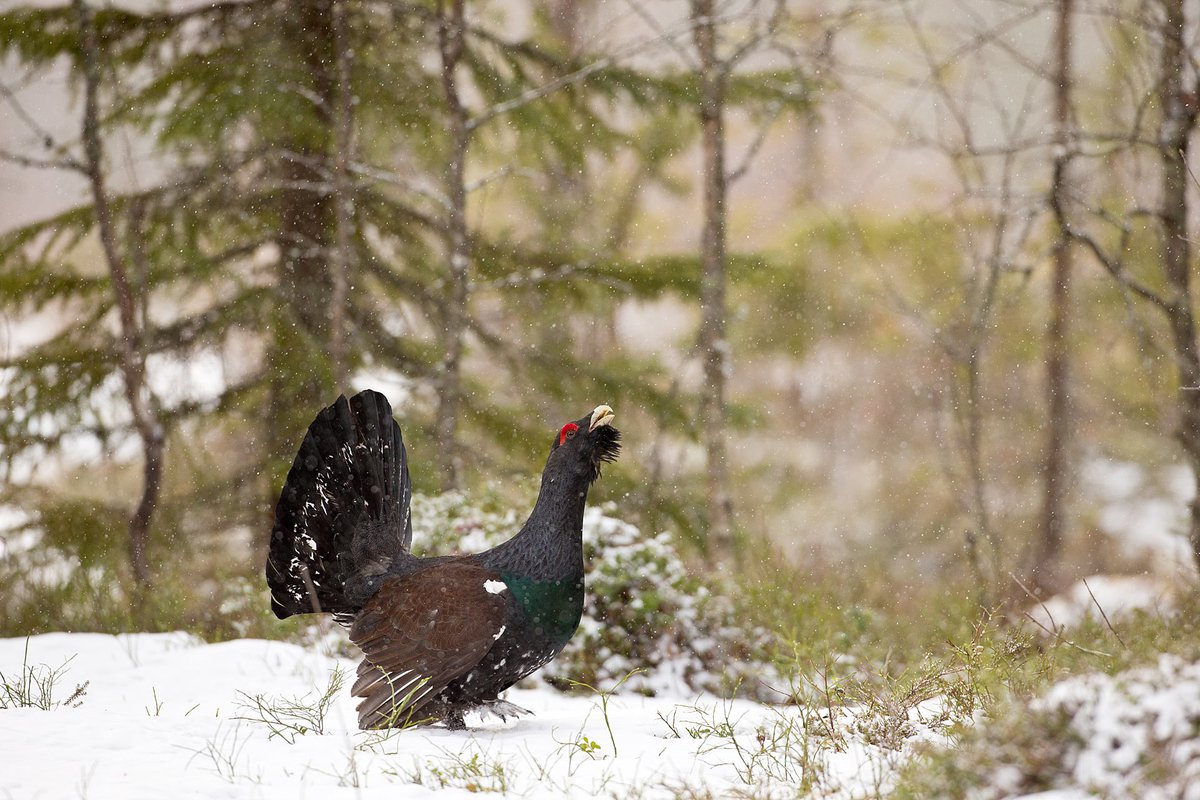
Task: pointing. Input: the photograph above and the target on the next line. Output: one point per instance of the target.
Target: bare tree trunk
(569, 207)
(1179, 106)
(713, 345)
(129, 340)
(1176, 94)
(974, 448)
(1055, 466)
(450, 48)
(343, 196)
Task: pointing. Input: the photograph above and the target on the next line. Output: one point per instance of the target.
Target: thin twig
(1102, 614)
(1059, 638)
(756, 145)
(1037, 599)
(42, 133)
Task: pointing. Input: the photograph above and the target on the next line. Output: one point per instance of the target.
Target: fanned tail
(344, 514)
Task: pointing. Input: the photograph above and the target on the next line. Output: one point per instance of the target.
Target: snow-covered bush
(1133, 734)
(644, 609)
(449, 523)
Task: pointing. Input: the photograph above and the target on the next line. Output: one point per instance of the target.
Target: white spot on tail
(495, 587)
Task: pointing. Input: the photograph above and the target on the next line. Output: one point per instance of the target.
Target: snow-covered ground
(1133, 734)
(167, 715)
(170, 716)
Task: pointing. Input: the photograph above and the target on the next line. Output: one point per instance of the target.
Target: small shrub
(33, 687)
(225, 751)
(644, 610)
(289, 717)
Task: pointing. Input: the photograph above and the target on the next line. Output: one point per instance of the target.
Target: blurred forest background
(892, 297)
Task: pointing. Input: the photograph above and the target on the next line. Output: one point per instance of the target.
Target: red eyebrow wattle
(570, 427)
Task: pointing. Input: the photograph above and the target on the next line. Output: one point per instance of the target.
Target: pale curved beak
(603, 415)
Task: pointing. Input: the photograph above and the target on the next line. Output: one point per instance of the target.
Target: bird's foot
(453, 719)
(502, 709)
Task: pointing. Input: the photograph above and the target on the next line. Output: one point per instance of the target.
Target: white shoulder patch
(495, 587)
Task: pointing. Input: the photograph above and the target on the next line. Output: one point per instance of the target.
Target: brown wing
(419, 633)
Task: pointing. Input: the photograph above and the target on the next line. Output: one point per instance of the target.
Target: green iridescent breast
(554, 607)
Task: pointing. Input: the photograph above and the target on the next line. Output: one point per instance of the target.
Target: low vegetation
(940, 706)
(35, 686)
(290, 717)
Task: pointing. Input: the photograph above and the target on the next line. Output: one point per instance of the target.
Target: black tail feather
(344, 514)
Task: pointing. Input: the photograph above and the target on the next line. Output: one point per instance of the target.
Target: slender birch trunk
(343, 195)
(1178, 106)
(1055, 465)
(458, 248)
(130, 334)
(714, 346)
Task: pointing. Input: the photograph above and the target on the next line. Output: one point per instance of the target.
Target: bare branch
(684, 54)
(42, 134)
(756, 145)
(500, 174)
(566, 272)
(1116, 268)
(396, 179)
(68, 164)
(755, 40)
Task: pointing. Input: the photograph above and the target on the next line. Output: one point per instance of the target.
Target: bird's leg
(454, 721)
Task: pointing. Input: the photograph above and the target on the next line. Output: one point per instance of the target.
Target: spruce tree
(291, 227)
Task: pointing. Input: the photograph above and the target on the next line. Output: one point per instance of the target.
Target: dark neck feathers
(550, 545)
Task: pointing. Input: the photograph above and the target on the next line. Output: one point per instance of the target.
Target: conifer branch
(583, 73)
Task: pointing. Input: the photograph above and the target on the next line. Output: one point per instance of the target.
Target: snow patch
(1144, 511)
(165, 710)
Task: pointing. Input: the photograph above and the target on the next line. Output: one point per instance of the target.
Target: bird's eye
(567, 432)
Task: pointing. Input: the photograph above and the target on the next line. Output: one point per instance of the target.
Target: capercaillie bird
(440, 636)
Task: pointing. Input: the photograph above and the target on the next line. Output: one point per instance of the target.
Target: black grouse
(440, 636)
